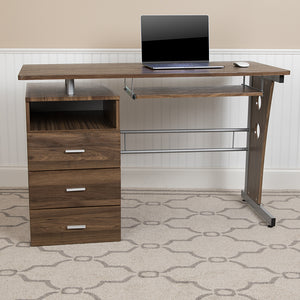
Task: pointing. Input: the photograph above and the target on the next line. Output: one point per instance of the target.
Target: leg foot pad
(260, 210)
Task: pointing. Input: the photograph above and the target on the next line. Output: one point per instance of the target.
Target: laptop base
(170, 66)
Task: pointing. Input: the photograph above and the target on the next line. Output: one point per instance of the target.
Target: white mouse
(241, 64)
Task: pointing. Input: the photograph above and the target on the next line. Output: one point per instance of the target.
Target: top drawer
(73, 150)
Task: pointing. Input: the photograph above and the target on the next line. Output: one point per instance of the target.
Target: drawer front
(74, 188)
(73, 150)
(75, 225)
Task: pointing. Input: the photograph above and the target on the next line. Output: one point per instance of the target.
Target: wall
(234, 24)
(58, 31)
(198, 170)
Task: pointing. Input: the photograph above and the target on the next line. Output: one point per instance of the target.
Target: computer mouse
(241, 64)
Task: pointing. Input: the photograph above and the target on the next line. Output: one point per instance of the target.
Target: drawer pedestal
(74, 176)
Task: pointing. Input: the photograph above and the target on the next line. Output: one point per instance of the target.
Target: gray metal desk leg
(258, 118)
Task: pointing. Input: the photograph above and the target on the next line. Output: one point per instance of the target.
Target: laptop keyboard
(180, 66)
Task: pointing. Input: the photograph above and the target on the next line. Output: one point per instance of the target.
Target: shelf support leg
(258, 118)
(70, 87)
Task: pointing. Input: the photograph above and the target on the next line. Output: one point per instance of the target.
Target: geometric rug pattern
(176, 245)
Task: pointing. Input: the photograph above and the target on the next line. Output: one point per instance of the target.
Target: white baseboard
(153, 178)
(13, 177)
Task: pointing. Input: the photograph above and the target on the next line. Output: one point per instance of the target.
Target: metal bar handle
(75, 151)
(72, 227)
(81, 189)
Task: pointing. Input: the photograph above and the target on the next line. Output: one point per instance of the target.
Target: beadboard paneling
(283, 145)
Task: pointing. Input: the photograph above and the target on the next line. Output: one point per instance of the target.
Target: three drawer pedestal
(74, 174)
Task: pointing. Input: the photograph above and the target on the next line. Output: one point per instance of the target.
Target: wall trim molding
(171, 178)
(138, 51)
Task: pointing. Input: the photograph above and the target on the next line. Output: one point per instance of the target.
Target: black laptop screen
(175, 38)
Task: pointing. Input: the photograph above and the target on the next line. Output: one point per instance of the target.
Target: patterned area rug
(175, 245)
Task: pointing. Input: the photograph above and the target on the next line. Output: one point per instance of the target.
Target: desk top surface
(137, 70)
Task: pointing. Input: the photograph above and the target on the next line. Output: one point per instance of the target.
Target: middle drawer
(74, 188)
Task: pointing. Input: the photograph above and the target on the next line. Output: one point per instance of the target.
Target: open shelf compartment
(49, 108)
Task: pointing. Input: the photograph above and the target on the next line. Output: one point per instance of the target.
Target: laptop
(175, 42)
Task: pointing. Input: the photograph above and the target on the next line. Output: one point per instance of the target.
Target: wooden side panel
(49, 227)
(111, 110)
(49, 189)
(27, 116)
(256, 155)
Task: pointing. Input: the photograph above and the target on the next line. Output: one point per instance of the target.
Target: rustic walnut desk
(74, 154)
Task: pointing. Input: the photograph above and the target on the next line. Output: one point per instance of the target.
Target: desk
(259, 90)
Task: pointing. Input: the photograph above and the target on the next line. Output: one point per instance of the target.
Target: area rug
(176, 245)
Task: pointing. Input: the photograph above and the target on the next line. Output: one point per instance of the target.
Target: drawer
(75, 225)
(73, 150)
(74, 188)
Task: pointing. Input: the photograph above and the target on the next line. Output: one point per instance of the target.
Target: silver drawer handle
(75, 151)
(76, 189)
(70, 227)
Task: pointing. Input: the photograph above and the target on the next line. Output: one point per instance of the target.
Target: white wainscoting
(189, 170)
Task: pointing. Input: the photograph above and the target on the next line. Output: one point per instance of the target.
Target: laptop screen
(175, 38)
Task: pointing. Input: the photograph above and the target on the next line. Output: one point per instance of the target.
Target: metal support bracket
(129, 90)
(277, 78)
(260, 210)
(261, 89)
(70, 87)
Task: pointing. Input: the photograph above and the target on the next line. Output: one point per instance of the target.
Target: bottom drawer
(75, 225)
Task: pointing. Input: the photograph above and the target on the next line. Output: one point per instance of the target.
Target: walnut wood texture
(72, 120)
(216, 91)
(89, 123)
(49, 226)
(48, 189)
(111, 113)
(136, 70)
(46, 151)
(27, 109)
(60, 112)
(55, 91)
(257, 146)
(74, 138)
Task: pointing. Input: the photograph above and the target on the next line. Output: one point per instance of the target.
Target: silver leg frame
(70, 87)
(258, 208)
